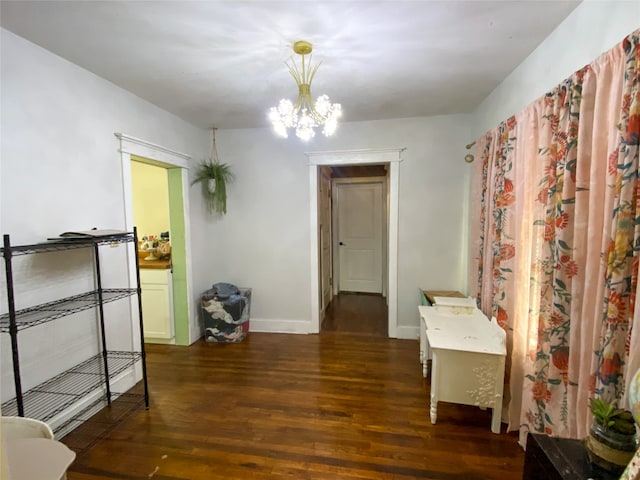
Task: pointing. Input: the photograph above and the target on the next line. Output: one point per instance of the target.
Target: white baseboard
(280, 326)
(304, 327)
(161, 341)
(120, 384)
(407, 333)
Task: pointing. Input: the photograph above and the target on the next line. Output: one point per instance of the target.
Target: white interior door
(360, 227)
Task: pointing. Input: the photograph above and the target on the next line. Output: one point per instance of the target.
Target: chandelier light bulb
(304, 115)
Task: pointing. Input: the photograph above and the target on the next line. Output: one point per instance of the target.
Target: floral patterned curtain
(556, 235)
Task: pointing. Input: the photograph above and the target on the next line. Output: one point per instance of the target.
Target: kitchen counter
(160, 264)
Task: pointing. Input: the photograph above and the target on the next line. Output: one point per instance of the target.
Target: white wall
(265, 236)
(58, 144)
(61, 170)
(590, 30)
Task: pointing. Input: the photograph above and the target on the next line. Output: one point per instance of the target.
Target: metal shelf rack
(94, 374)
(94, 422)
(53, 396)
(32, 316)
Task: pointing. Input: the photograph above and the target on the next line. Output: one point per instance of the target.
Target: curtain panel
(555, 239)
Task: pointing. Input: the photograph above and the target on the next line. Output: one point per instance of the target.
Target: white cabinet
(157, 304)
(468, 358)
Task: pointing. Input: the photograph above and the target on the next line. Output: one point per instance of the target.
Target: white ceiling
(221, 63)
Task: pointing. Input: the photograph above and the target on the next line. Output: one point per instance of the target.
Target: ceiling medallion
(305, 115)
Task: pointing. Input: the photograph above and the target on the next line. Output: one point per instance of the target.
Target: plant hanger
(214, 177)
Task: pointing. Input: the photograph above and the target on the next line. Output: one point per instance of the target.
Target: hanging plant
(214, 177)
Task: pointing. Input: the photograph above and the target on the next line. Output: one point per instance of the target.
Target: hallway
(356, 313)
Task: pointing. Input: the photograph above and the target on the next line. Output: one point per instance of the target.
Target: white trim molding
(355, 157)
(134, 146)
(392, 156)
(143, 148)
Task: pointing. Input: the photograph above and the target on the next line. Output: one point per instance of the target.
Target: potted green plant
(214, 177)
(612, 439)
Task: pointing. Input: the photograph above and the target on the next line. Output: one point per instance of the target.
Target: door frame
(325, 172)
(391, 156)
(132, 146)
(335, 183)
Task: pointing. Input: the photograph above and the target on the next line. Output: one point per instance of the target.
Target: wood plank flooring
(328, 406)
(357, 313)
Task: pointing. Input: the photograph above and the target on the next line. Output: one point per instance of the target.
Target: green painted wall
(178, 256)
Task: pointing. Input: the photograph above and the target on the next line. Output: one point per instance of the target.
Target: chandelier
(305, 115)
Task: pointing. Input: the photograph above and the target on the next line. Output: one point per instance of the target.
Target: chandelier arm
(293, 70)
(304, 71)
(317, 117)
(313, 72)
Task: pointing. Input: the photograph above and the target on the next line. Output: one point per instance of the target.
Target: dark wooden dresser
(559, 459)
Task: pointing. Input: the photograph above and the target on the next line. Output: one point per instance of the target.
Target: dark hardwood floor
(356, 313)
(330, 406)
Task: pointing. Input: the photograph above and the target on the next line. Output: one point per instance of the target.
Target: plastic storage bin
(225, 310)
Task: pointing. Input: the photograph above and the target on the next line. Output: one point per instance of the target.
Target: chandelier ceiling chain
(305, 115)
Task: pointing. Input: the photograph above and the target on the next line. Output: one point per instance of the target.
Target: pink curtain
(556, 238)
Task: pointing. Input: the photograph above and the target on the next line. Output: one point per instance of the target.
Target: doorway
(390, 158)
(359, 267)
(151, 215)
(176, 164)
